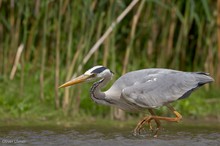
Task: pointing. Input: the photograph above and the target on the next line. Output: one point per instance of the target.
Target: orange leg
(157, 120)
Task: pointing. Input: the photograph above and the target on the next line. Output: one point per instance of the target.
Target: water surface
(86, 135)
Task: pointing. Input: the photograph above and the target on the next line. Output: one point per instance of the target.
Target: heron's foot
(139, 127)
(146, 120)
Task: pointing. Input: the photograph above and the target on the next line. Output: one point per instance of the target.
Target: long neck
(96, 94)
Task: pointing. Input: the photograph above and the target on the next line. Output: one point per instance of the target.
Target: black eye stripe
(99, 70)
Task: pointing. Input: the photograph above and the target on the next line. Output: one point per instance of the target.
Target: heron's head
(94, 73)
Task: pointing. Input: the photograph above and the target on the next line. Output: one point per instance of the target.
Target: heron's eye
(93, 75)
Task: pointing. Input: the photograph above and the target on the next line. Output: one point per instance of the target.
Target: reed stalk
(57, 59)
(218, 32)
(43, 50)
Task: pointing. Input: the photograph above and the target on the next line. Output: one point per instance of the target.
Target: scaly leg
(157, 118)
(140, 125)
(157, 122)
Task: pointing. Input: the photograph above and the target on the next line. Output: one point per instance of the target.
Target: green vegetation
(56, 36)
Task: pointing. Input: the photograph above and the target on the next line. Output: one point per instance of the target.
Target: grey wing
(155, 90)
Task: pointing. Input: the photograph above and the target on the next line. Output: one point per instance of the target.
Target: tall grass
(58, 35)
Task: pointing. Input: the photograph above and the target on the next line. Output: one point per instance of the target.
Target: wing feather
(158, 88)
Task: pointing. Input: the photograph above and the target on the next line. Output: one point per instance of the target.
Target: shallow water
(173, 134)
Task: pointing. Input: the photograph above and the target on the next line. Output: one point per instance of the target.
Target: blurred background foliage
(43, 43)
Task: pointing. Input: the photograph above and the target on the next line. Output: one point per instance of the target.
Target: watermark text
(13, 141)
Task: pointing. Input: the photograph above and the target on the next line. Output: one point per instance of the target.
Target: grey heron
(143, 89)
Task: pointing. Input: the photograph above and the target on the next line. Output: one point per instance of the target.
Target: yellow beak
(77, 80)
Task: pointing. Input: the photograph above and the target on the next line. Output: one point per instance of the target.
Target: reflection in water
(90, 135)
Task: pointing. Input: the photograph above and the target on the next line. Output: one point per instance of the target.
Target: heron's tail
(203, 78)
